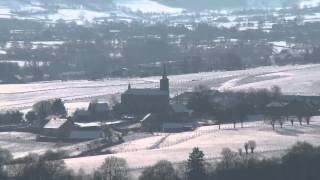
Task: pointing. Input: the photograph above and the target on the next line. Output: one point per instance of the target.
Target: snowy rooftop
(55, 123)
(97, 124)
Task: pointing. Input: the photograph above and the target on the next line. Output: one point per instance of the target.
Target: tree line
(236, 106)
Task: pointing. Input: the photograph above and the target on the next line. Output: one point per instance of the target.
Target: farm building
(57, 127)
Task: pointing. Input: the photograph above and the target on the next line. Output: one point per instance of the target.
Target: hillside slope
(217, 4)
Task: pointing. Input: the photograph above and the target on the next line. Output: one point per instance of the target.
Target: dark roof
(149, 92)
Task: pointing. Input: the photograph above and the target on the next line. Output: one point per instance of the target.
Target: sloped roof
(55, 123)
(149, 92)
(97, 124)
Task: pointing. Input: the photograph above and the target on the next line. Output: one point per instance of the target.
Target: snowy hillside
(147, 6)
(176, 147)
(81, 11)
(217, 4)
(300, 79)
(89, 10)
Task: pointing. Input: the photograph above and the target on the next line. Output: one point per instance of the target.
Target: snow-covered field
(20, 144)
(147, 6)
(298, 79)
(176, 147)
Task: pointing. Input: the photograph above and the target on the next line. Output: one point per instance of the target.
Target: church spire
(164, 71)
(164, 82)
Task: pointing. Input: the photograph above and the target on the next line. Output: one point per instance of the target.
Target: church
(144, 101)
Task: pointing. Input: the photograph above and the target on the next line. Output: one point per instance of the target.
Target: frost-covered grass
(176, 147)
(147, 6)
(21, 144)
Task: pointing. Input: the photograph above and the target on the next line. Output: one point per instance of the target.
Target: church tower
(164, 82)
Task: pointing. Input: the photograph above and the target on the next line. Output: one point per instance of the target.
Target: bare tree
(112, 169)
(308, 118)
(229, 159)
(246, 147)
(281, 122)
(300, 120)
(163, 170)
(252, 145)
(271, 120)
(292, 121)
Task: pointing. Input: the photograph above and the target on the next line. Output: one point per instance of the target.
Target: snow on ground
(136, 145)
(176, 147)
(5, 12)
(77, 14)
(147, 6)
(309, 3)
(3, 52)
(21, 144)
(293, 79)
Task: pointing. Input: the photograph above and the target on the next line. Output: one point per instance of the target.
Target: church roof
(147, 92)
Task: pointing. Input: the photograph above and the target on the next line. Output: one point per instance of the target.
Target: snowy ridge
(91, 11)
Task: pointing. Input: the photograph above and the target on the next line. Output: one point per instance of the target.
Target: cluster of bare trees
(280, 113)
(250, 145)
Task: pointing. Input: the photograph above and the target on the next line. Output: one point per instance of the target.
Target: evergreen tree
(31, 116)
(196, 165)
(58, 107)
